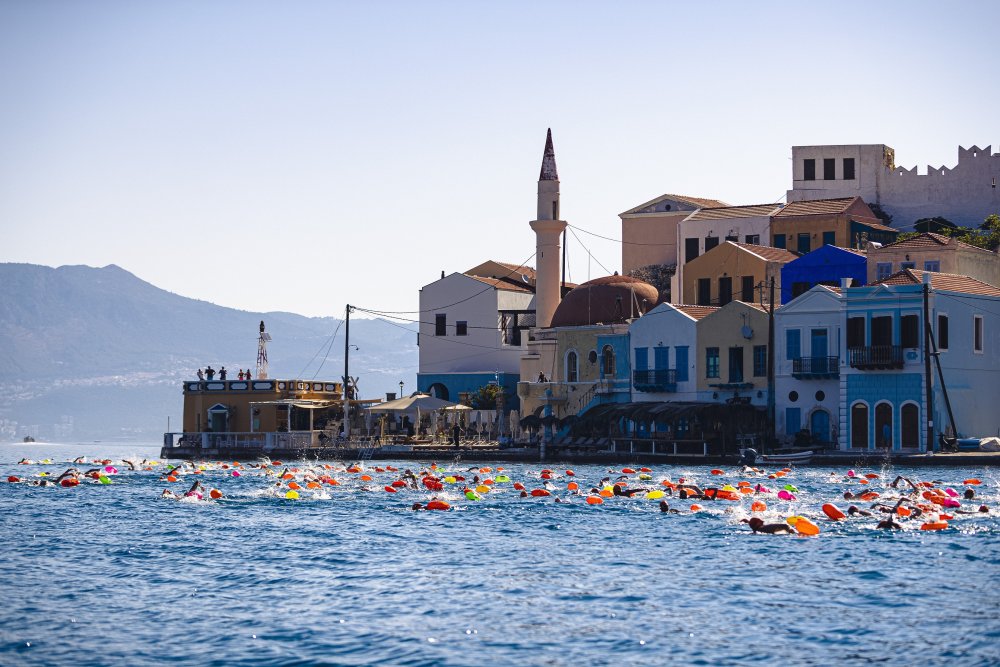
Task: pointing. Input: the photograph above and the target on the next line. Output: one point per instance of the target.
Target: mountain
(98, 353)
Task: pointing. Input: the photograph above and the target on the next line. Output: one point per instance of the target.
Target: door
(883, 426)
(859, 426)
(819, 350)
(819, 426)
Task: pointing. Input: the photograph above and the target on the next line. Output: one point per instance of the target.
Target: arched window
(883, 425)
(607, 362)
(909, 426)
(859, 426)
(572, 367)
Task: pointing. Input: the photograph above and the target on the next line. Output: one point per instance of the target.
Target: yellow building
(649, 231)
(733, 271)
(804, 226)
(732, 353)
(934, 252)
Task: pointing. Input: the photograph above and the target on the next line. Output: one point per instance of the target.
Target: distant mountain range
(96, 353)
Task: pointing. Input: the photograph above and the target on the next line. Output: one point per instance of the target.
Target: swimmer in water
(167, 493)
(757, 525)
(665, 508)
(899, 478)
(417, 506)
(888, 524)
(854, 509)
(969, 494)
(196, 491)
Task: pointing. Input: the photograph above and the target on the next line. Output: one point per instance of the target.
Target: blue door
(819, 351)
(820, 426)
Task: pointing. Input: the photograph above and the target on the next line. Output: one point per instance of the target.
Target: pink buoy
(951, 492)
(110, 469)
(236, 473)
(850, 473)
(950, 502)
(785, 495)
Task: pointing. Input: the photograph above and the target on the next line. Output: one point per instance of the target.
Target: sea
(112, 573)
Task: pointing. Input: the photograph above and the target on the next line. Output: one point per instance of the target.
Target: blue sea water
(115, 574)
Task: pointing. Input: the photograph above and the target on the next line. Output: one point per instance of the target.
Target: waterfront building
(934, 252)
(664, 364)
(847, 222)
(649, 231)
(827, 265)
(732, 353)
(732, 271)
(807, 367)
(964, 194)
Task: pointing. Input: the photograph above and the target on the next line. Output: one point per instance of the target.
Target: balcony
(816, 368)
(663, 380)
(876, 357)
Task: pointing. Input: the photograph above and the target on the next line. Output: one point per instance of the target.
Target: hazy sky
(301, 155)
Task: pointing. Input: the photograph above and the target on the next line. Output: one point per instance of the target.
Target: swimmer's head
(969, 494)
(756, 523)
(664, 507)
(524, 494)
(848, 495)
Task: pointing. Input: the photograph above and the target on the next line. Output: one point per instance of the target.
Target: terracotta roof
(695, 312)
(929, 240)
(876, 226)
(816, 207)
(697, 202)
(502, 284)
(517, 269)
(605, 301)
(727, 212)
(770, 254)
(949, 282)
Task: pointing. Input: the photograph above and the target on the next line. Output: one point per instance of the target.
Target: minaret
(547, 228)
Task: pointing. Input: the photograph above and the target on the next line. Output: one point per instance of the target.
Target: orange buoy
(294, 485)
(645, 470)
(937, 525)
(572, 486)
(833, 512)
(276, 463)
(215, 494)
(570, 473)
(399, 483)
(389, 489)
(869, 495)
(13, 479)
(716, 471)
(628, 471)
(171, 478)
(972, 482)
(518, 486)
(806, 527)
(546, 475)
(313, 485)
(287, 475)
(607, 493)
(594, 500)
(438, 505)
(332, 482)
(903, 511)
(70, 481)
(540, 492)
(366, 478)
(746, 489)
(695, 508)
(871, 475)
(945, 517)
(758, 506)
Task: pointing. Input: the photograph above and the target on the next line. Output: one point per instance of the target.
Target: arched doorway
(819, 426)
(909, 426)
(438, 390)
(859, 426)
(883, 426)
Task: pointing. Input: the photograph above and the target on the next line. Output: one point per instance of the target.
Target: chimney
(845, 283)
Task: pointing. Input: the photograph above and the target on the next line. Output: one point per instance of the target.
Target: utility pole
(770, 364)
(347, 373)
(929, 391)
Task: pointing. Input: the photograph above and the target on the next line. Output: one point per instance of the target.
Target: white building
(964, 194)
(664, 350)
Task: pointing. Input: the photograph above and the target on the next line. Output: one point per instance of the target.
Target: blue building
(826, 265)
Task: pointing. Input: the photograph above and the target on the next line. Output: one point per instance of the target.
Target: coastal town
(860, 316)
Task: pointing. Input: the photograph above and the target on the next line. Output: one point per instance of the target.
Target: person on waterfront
(456, 435)
(541, 377)
(222, 373)
(201, 376)
(240, 376)
(248, 377)
(209, 373)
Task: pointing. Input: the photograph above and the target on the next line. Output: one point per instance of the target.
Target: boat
(786, 459)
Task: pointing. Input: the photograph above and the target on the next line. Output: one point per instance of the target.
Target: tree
(486, 397)
(936, 225)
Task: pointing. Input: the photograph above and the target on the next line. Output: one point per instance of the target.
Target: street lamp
(401, 389)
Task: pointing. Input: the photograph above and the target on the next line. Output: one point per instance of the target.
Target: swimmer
(417, 506)
(25, 462)
(167, 493)
(888, 524)
(685, 491)
(969, 494)
(850, 496)
(664, 508)
(757, 525)
(80, 459)
(196, 491)
(72, 473)
(854, 509)
(900, 478)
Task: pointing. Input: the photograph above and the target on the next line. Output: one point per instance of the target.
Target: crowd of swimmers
(928, 503)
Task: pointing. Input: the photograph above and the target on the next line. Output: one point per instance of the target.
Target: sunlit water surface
(114, 574)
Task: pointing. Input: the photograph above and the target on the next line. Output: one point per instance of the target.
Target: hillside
(109, 350)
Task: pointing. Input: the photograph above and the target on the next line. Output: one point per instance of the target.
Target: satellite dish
(746, 331)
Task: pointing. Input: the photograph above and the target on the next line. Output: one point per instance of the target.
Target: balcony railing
(663, 380)
(876, 357)
(815, 368)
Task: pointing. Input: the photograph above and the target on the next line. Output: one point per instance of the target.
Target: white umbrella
(413, 403)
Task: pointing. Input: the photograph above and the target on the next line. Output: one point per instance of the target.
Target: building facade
(934, 252)
(733, 271)
(649, 231)
(828, 265)
(846, 222)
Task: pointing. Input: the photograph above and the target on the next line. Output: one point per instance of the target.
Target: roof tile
(950, 282)
(728, 212)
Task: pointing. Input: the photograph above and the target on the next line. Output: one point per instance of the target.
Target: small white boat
(797, 457)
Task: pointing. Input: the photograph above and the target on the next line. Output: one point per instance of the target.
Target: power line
(589, 254)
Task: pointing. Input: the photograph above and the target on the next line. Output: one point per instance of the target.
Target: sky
(299, 156)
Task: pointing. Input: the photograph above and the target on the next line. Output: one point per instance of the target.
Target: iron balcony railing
(805, 368)
(662, 380)
(876, 357)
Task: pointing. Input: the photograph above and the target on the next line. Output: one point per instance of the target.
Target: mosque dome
(607, 300)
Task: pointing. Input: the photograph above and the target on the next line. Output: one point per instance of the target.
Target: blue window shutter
(793, 420)
(661, 358)
(682, 363)
(641, 358)
(793, 344)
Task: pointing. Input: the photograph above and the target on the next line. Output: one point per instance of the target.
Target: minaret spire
(549, 171)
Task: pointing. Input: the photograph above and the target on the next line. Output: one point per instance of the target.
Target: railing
(192, 386)
(661, 380)
(805, 368)
(876, 357)
(237, 440)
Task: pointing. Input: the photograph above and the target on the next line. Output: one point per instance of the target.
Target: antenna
(262, 352)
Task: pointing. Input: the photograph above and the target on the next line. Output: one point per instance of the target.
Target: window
(661, 358)
(859, 426)
(799, 288)
(461, 328)
(681, 362)
(932, 265)
(848, 169)
(733, 237)
(804, 244)
(760, 361)
(793, 344)
(752, 239)
(440, 325)
(725, 290)
(908, 331)
(779, 240)
(641, 358)
(942, 332)
(607, 362)
(883, 425)
(711, 242)
(883, 270)
(809, 170)
(711, 362)
(977, 333)
(704, 291)
(855, 332)
(746, 289)
(829, 238)
(736, 364)
(829, 169)
(572, 367)
(882, 330)
(690, 249)
(907, 265)
(793, 420)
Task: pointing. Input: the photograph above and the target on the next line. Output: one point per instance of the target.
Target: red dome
(607, 300)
